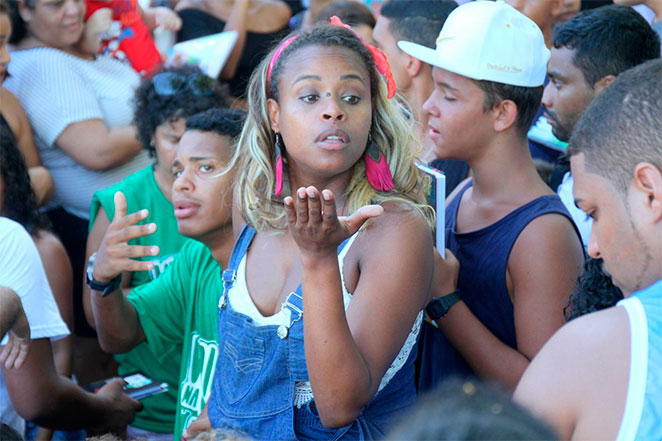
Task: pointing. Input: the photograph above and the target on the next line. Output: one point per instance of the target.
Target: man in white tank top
(592, 379)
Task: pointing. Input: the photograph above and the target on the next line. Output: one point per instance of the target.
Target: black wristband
(105, 288)
(439, 306)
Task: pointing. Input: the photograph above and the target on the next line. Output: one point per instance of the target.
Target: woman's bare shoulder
(400, 225)
(400, 214)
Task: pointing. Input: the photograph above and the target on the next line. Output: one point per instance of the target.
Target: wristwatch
(105, 288)
(439, 306)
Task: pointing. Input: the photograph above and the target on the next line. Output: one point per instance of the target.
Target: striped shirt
(57, 89)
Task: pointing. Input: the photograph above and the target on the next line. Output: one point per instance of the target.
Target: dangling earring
(278, 147)
(376, 168)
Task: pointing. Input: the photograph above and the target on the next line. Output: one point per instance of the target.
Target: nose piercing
(328, 94)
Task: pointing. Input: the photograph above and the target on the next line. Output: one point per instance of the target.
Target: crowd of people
(260, 245)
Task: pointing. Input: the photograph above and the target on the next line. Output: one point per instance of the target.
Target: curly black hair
(593, 291)
(224, 122)
(19, 201)
(153, 109)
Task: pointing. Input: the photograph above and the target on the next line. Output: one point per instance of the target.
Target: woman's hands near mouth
(314, 224)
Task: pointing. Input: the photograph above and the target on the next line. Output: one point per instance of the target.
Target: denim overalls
(258, 366)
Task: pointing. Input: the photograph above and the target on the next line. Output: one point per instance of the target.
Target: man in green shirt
(162, 105)
(176, 313)
(142, 191)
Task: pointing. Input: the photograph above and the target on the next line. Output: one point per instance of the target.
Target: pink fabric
(279, 175)
(378, 173)
(279, 51)
(378, 56)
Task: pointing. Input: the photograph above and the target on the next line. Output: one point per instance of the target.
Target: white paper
(439, 205)
(209, 53)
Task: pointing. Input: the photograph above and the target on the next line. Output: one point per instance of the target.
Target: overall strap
(294, 301)
(230, 274)
(293, 334)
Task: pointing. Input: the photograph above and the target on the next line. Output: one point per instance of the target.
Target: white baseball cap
(488, 40)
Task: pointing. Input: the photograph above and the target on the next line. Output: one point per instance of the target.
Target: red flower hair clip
(378, 56)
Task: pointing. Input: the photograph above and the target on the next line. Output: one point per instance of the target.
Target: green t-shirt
(178, 313)
(141, 191)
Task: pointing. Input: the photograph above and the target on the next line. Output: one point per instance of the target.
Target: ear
(24, 12)
(273, 109)
(602, 83)
(505, 113)
(414, 66)
(648, 180)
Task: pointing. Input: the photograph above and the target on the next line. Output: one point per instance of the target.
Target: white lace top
(241, 301)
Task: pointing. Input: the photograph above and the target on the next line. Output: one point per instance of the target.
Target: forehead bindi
(322, 64)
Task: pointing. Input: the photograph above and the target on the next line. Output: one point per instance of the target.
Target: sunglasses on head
(169, 83)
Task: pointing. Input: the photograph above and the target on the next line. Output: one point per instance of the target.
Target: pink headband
(279, 51)
(377, 55)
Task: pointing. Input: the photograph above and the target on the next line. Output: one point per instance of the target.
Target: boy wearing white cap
(518, 250)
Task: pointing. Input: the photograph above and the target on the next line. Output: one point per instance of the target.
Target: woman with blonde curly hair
(322, 124)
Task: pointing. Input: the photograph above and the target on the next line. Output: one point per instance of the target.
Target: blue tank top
(483, 257)
(642, 418)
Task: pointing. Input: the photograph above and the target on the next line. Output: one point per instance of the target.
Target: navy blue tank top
(483, 257)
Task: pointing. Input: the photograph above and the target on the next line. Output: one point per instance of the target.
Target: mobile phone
(138, 386)
(437, 198)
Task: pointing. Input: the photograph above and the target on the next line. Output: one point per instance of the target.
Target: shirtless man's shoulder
(581, 374)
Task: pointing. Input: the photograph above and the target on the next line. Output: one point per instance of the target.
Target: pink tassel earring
(279, 164)
(376, 168)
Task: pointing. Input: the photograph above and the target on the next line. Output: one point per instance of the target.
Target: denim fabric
(253, 387)
(58, 435)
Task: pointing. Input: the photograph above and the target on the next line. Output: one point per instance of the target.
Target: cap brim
(431, 56)
(421, 52)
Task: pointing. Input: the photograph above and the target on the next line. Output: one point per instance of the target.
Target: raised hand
(314, 223)
(115, 254)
